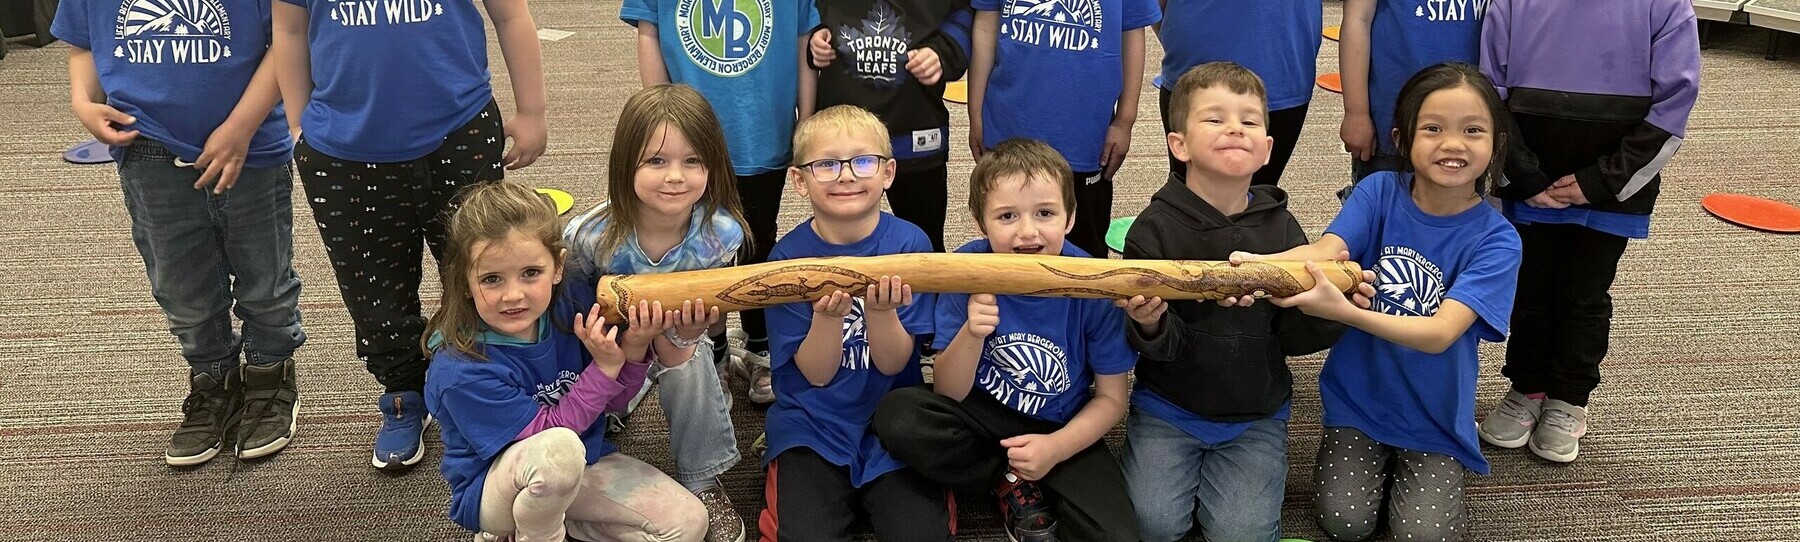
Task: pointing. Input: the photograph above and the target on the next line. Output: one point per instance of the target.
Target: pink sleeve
(587, 399)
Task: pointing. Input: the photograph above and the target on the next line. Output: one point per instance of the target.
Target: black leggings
(373, 217)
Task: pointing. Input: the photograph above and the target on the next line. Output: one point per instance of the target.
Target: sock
(1539, 396)
(757, 345)
(699, 485)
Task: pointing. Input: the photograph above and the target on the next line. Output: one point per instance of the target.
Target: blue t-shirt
(833, 420)
(744, 57)
(1410, 35)
(1041, 358)
(711, 242)
(1207, 431)
(391, 78)
(1279, 40)
(481, 406)
(1397, 395)
(1625, 225)
(179, 67)
(1060, 59)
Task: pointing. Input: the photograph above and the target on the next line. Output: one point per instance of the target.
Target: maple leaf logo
(119, 52)
(876, 47)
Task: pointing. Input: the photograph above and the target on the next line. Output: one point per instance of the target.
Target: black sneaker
(205, 415)
(267, 421)
(1024, 511)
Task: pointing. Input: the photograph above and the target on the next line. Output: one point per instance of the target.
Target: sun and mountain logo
(1407, 284)
(876, 47)
(172, 32)
(1024, 371)
(1072, 25)
(725, 37)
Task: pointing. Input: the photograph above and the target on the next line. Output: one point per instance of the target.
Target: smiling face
(671, 176)
(850, 196)
(1453, 140)
(1026, 215)
(511, 281)
(1225, 135)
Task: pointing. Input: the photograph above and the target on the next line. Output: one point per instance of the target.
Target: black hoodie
(1226, 364)
(872, 38)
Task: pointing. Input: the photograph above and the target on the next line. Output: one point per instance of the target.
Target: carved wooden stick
(807, 279)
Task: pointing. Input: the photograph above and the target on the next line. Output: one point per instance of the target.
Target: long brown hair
(684, 110)
(489, 212)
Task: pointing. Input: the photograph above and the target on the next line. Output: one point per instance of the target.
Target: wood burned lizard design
(757, 292)
(1223, 281)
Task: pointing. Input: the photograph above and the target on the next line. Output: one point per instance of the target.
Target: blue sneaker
(401, 442)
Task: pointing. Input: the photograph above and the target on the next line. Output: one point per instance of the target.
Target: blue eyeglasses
(827, 170)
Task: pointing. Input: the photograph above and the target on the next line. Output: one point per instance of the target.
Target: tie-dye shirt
(706, 246)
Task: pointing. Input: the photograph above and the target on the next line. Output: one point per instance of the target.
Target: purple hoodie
(1600, 89)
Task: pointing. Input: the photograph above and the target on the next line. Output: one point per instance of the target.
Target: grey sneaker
(271, 402)
(1558, 438)
(1509, 424)
(723, 524)
(754, 368)
(205, 415)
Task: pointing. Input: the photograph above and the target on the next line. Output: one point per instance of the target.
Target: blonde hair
(488, 213)
(1235, 78)
(683, 110)
(1019, 156)
(845, 119)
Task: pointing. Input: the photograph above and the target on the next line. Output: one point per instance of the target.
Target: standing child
(1399, 389)
(897, 55)
(1595, 130)
(835, 358)
(1384, 42)
(1010, 409)
(672, 205)
(1278, 41)
(1079, 62)
(747, 57)
(203, 161)
(388, 139)
(1207, 441)
(516, 392)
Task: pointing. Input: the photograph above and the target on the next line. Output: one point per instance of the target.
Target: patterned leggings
(376, 219)
(1362, 481)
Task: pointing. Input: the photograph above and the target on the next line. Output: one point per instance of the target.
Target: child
(1384, 42)
(672, 206)
(203, 161)
(1207, 441)
(1399, 389)
(516, 392)
(747, 57)
(1582, 184)
(834, 358)
(897, 71)
(1277, 40)
(1010, 404)
(388, 139)
(1081, 63)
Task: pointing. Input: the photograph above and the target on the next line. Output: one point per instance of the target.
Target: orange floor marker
(1331, 33)
(957, 92)
(1753, 212)
(1332, 82)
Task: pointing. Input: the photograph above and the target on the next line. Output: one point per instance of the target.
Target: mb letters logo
(172, 32)
(725, 37)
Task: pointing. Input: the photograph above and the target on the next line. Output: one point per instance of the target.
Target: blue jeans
(209, 256)
(1233, 490)
(700, 430)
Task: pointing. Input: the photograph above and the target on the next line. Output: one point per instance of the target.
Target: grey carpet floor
(1694, 430)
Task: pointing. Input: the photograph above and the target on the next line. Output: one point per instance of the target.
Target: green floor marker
(1115, 233)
